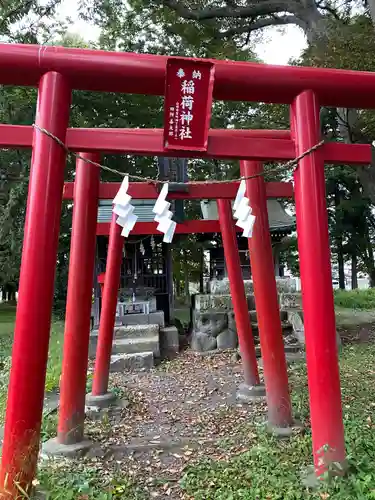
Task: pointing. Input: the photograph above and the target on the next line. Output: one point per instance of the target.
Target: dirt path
(180, 412)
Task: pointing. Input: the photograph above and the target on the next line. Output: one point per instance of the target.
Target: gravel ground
(180, 412)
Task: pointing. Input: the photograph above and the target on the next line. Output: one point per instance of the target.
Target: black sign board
(174, 170)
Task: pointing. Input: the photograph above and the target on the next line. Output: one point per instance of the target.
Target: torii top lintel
(145, 74)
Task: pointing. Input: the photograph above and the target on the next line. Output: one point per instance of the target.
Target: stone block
(283, 316)
(213, 302)
(232, 322)
(136, 345)
(250, 302)
(221, 303)
(221, 287)
(98, 402)
(136, 331)
(169, 341)
(200, 342)
(295, 318)
(154, 318)
(93, 342)
(286, 285)
(52, 448)
(253, 316)
(227, 339)
(157, 318)
(290, 301)
(140, 361)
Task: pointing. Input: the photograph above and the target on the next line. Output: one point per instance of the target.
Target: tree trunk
(339, 243)
(354, 272)
(201, 271)
(370, 258)
(340, 260)
(186, 276)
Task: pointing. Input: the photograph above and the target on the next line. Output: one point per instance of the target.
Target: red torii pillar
(251, 387)
(267, 304)
(78, 307)
(317, 292)
(100, 395)
(33, 320)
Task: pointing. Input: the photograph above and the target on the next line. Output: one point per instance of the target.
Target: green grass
(353, 319)
(182, 314)
(7, 319)
(355, 299)
(78, 481)
(271, 468)
(60, 480)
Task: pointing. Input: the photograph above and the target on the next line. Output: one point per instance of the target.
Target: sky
(277, 48)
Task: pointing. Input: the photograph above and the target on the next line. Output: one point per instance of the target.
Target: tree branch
(261, 23)
(260, 8)
(22, 8)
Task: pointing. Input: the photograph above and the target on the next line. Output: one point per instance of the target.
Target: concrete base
(52, 448)
(310, 480)
(247, 393)
(101, 401)
(284, 432)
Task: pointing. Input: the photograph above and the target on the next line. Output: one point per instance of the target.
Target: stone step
(136, 331)
(136, 345)
(154, 318)
(283, 316)
(288, 348)
(169, 341)
(131, 331)
(285, 325)
(138, 361)
(290, 357)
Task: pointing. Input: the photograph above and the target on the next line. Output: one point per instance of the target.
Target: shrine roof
(279, 219)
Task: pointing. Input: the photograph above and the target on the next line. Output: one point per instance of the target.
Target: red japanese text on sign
(188, 103)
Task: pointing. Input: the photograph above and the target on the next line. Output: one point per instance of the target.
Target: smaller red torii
(196, 191)
(199, 190)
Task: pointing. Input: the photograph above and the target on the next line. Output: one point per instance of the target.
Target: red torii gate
(56, 72)
(223, 192)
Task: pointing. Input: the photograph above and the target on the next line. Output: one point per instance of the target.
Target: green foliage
(355, 299)
(289, 254)
(55, 357)
(28, 21)
(349, 190)
(49, 427)
(271, 468)
(80, 481)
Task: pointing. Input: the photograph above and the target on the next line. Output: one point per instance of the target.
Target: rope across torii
(264, 145)
(56, 72)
